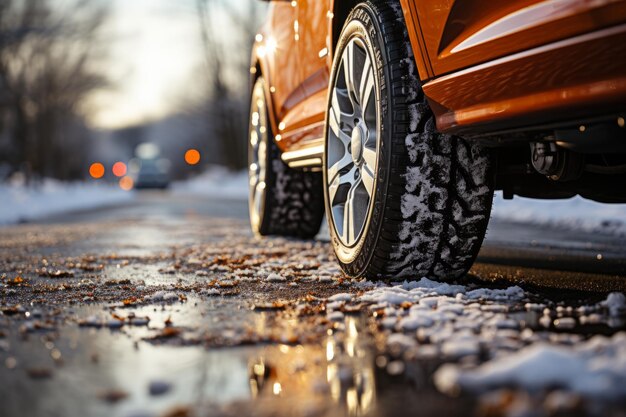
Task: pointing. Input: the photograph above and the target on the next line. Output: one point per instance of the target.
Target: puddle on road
(336, 377)
(103, 372)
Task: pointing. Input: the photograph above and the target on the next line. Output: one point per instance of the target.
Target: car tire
(283, 201)
(430, 194)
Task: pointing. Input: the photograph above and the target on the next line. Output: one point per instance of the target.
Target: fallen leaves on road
(113, 396)
(276, 305)
(166, 333)
(11, 311)
(179, 412)
(39, 373)
(55, 274)
(17, 282)
(130, 301)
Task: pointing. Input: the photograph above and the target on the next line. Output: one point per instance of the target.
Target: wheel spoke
(337, 118)
(335, 169)
(350, 71)
(337, 182)
(259, 190)
(349, 214)
(366, 89)
(367, 177)
(262, 154)
(253, 175)
(369, 156)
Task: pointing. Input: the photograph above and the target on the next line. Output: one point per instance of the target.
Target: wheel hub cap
(356, 145)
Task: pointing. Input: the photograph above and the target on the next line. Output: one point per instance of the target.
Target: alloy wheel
(352, 147)
(257, 154)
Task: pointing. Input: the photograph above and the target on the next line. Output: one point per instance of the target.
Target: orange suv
(399, 118)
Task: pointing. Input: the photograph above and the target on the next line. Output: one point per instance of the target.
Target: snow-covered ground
(20, 203)
(216, 182)
(574, 213)
(426, 319)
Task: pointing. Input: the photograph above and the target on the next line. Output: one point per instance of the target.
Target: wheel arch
(341, 9)
(259, 67)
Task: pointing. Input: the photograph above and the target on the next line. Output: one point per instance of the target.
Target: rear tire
(283, 201)
(428, 194)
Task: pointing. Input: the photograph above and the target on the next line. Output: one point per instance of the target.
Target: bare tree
(46, 72)
(227, 104)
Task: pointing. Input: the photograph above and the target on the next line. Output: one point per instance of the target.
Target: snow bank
(21, 203)
(574, 213)
(216, 182)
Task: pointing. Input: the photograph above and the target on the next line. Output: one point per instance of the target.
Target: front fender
(260, 66)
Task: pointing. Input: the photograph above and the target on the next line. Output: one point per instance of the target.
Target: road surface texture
(169, 306)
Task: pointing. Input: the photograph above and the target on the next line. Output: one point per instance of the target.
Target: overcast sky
(155, 50)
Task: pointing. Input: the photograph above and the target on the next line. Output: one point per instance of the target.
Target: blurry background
(84, 83)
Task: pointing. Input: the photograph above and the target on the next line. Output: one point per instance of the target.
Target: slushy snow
(596, 368)
(466, 325)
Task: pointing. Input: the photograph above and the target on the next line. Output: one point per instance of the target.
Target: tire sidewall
(363, 24)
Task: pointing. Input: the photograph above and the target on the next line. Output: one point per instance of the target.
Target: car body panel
(462, 33)
(485, 66)
(416, 36)
(548, 84)
(274, 49)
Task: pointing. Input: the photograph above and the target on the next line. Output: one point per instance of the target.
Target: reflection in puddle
(350, 371)
(335, 377)
(342, 370)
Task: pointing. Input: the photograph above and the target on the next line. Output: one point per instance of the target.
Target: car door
(280, 47)
(461, 33)
(313, 31)
(303, 125)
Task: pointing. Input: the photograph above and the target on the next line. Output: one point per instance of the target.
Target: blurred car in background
(148, 170)
(150, 173)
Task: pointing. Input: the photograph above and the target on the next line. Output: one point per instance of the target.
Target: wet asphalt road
(221, 341)
(522, 253)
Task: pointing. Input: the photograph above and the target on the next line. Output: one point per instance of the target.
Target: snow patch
(216, 182)
(511, 293)
(596, 368)
(273, 277)
(616, 304)
(22, 203)
(341, 297)
(575, 213)
(163, 296)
